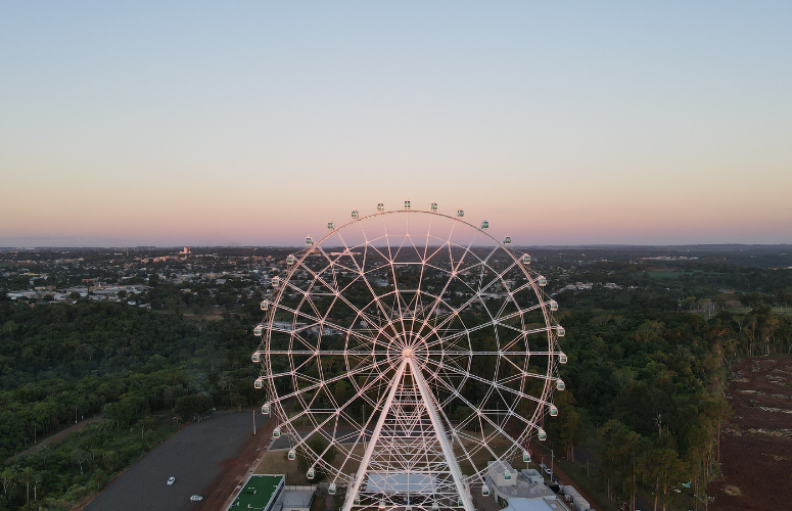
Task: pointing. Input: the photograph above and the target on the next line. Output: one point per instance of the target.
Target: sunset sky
(254, 123)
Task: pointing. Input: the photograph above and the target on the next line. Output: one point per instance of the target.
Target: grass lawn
(257, 492)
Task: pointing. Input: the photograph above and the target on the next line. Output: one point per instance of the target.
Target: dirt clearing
(756, 447)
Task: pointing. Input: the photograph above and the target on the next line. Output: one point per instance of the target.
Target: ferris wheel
(418, 347)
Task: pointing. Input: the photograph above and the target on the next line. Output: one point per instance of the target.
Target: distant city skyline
(254, 123)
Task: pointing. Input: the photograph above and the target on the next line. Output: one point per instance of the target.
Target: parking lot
(196, 456)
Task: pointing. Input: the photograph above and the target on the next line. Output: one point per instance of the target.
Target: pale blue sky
(256, 122)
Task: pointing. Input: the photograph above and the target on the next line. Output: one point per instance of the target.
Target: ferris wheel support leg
(353, 491)
(448, 450)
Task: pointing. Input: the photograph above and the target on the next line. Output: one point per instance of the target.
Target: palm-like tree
(27, 475)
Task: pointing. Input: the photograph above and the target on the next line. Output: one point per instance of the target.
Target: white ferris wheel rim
(441, 372)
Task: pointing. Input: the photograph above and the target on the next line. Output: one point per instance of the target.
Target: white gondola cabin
(562, 358)
(485, 490)
(265, 409)
(560, 385)
(560, 331)
(290, 260)
(265, 304)
(435, 507)
(542, 281)
(553, 305)
(276, 282)
(434, 207)
(356, 501)
(355, 214)
(258, 331)
(292, 455)
(460, 213)
(332, 489)
(406, 204)
(526, 457)
(484, 224)
(382, 504)
(380, 206)
(507, 240)
(311, 473)
(507, 475)
(276, 433)
(259, 383)
(553, 411)
(255, 357)
(542, 435)
(308, 241)
(526, 259)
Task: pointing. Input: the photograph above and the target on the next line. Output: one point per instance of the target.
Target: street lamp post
(254, 422)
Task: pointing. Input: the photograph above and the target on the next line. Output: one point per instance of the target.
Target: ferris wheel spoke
(454, 268)
(423, 258)
(528, 422)
(325, 323)
(482, 416)
(338, 410)
(338, 295)
(394, 276)
(498, 384)
(322, 383)
(497, 322)
(476, 296)
(362, 273)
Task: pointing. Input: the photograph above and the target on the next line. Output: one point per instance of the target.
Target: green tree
(192, 406)
(319, 447)
(145, 423)
(27, 476)
(80, 457)
(340, 392)
(100, 479)
(7, 478)
(127, 411)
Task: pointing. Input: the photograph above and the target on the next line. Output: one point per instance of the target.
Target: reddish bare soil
(756, 449)
(220, 489)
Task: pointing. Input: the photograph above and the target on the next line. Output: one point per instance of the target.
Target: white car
(171, 480)
(196, 498)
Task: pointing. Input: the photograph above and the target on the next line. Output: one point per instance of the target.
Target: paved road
(195, 457)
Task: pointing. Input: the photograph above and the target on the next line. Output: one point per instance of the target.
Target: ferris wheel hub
(407, 353)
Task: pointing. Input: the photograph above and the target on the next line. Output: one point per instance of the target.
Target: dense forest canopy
(648, 360)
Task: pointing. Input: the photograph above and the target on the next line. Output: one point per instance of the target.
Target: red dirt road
(756, 448)
(217, 492)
